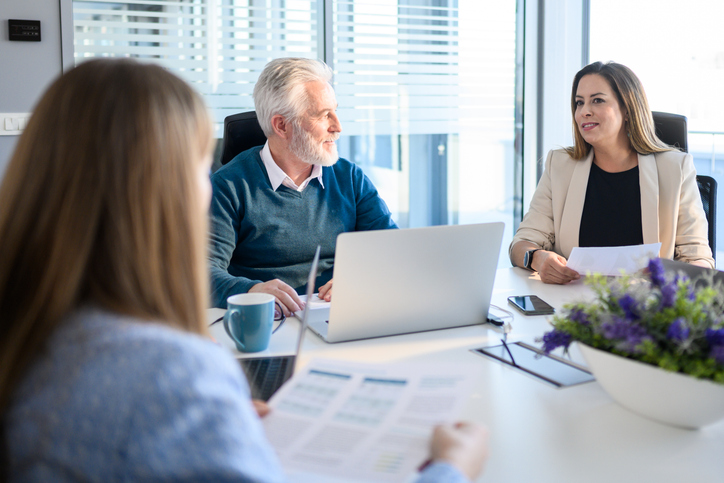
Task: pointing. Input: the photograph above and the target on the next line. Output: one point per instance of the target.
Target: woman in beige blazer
(588, 193)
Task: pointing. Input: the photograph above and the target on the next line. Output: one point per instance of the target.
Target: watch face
(528, 258)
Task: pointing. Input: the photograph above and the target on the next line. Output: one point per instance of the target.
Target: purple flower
(616, 329)
(554, 339)
(656, 272)
(629, 305)
(680, 277)
(579, 316)
(625, 334)
(717, 353)
(668, 294)
(678, 330)
(715, 337)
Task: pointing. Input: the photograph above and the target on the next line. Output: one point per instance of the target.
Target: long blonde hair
(99, 205)
(631, 97)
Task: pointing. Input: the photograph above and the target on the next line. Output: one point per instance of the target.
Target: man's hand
(463, 445)
(285, 295)
(552, 268)
(325, 292)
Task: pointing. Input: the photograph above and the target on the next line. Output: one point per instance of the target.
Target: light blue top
(114, 399)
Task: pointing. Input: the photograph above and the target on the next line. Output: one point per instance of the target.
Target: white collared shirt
(278, 177)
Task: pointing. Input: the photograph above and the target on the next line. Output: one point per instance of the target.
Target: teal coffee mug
(249, 319)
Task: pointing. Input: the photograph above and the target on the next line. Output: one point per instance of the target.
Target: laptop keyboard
(266, 374)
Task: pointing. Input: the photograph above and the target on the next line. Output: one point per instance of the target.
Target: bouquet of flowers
(660, 319)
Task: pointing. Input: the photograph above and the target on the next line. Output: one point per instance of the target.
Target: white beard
(306, 148)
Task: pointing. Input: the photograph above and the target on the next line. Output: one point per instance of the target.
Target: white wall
(562, 58)
(26, 68)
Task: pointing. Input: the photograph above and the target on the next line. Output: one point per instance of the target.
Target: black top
(612, 210)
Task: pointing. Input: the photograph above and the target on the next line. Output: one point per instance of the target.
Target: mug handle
(227, 319)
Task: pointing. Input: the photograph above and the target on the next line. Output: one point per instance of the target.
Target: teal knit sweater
(258, 234)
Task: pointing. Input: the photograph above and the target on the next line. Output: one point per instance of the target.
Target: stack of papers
(362, 422)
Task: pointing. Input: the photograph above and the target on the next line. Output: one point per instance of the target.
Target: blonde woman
(619, 185)
(107, 372)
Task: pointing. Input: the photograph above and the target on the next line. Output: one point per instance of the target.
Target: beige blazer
(671, 208)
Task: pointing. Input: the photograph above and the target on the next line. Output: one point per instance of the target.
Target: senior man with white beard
(273, 204)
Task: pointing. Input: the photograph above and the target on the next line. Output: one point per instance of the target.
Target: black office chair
(707, 189)
(671, 129)
(241, 132)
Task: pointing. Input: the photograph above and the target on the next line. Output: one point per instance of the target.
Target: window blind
(218, 46)
(425, 66)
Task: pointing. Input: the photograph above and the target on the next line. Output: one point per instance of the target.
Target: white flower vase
(667, 397)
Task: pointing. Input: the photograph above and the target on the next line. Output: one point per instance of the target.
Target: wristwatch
(528, 258)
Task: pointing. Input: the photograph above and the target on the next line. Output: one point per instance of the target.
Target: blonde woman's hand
(463, 445)
(261, 408)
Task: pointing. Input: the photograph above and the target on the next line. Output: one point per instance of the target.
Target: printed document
(612, 261)
(363, 422)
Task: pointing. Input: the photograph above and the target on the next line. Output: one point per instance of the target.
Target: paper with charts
(612, 260)
(363, 422)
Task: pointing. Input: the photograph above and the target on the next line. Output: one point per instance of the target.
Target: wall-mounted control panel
(25, 30)
(13, 123)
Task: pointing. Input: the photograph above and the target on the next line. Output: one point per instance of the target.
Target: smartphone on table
(531, 305)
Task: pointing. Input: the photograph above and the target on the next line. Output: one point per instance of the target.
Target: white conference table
(538, 433)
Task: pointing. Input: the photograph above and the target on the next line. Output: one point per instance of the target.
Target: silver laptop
(390, 282)
(699, 275)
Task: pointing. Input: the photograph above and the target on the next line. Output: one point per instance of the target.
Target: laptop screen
(305, 314)
(267, 374)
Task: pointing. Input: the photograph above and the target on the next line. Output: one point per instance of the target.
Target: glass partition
(676, 55)
(426, 88)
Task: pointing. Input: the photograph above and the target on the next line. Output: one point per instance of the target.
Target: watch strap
(528, 259)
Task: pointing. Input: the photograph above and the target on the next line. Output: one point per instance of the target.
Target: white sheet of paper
(347, 421)
(318, 309)
(612, 260)
(315, 303)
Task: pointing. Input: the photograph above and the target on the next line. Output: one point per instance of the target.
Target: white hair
(280, 88)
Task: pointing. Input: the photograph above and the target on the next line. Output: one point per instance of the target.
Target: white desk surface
(538, 433)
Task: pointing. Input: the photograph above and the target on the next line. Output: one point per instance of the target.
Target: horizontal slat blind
(401, 66)
(219, 46)
(425, 66)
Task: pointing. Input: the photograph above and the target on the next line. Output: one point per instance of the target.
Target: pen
(509, 353)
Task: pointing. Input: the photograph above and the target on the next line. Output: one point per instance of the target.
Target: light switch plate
(13, 123)
(24, 30)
